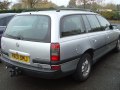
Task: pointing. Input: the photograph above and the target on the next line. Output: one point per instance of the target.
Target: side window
(2, 22)
(94, 23)
(8, 19)
(87, 25)
(72, 25)
(104, 23)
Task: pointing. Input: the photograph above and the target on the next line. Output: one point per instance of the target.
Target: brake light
(55, 55)
(55, 52)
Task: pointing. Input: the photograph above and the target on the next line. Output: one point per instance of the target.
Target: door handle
(94, 40)
(108, 37)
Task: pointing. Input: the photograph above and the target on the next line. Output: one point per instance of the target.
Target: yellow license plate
(21, 58)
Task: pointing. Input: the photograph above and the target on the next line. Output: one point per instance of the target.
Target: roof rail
(76, 9)
(36, 10)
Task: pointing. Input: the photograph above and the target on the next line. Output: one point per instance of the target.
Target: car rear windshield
(30, 28)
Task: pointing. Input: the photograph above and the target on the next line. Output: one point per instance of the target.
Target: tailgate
(33, 50)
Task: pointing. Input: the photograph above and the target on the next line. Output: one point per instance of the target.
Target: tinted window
(94, 23)
(87, 25)
(8, 19)
(72, 25)
(33, 28)
(104, 23)
(4, 21)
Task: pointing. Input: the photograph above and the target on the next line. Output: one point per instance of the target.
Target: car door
(97, 36)
(73, 36)
(111, 39)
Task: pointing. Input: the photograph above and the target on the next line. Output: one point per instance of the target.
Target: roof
(61, 13)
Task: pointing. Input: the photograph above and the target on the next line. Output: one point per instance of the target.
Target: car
(4, 19)
(116, 28)
(54, 44)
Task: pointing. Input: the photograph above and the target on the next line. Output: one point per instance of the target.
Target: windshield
(32, 28)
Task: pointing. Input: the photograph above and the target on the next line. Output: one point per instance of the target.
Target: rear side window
(8, 19)
(4, 21)
(31, 28)
(94, 23)
(72, 25)
(104, 23)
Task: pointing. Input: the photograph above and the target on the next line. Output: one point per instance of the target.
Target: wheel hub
(85, 68)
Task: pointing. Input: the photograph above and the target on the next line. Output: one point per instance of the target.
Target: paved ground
(105, 76)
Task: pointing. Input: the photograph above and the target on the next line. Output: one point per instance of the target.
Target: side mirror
(111, 27)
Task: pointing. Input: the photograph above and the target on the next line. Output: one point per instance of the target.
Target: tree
(111, 6)
(29, 3)
(45, 4)
(17, 6)
(72, 3)
(88, 2)
(4, 4)
(35, 4)
(83, 2)
(118, 7)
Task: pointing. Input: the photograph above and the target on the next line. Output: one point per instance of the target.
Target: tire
(84, 68)
(117, 48)
(0, 59)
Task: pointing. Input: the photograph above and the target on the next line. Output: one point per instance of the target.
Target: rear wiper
(20, 37)
(10, 36)
(15, 37)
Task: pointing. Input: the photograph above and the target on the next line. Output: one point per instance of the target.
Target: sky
(65, 2)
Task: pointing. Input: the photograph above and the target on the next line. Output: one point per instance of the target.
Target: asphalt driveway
(105, 76)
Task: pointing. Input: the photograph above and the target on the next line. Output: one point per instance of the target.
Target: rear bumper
(47, 74)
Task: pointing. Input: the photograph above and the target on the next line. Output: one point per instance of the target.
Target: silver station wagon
(54, 44)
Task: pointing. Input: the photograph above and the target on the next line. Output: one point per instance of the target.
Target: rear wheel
(84, 68)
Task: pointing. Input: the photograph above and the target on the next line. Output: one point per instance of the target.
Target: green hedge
(11, 11)
(114, 15)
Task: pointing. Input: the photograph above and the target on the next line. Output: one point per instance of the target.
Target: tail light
(55, 55)
(55, 52)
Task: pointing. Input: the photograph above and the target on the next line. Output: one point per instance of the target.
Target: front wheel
(117, 48)
(84, 68)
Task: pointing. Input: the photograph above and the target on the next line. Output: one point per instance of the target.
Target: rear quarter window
(4, 21)
(71, 25)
